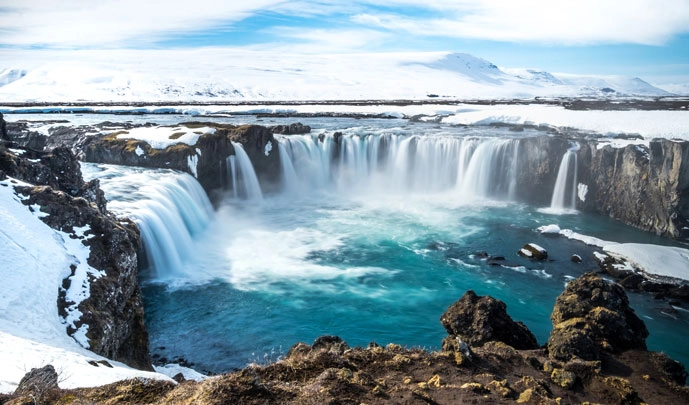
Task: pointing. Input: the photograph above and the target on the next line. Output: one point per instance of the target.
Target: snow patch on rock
(582, 190)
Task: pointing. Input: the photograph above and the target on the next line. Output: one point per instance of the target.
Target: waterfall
(241, 172)
(170, 208)
(565, 190)
(470, 167)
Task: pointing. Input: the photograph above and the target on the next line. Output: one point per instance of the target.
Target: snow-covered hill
(222, 74)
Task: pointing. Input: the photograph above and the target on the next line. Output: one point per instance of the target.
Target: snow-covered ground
(228, 74)
(656, 260)
(162, 137)
(35, 259)
(672, 124)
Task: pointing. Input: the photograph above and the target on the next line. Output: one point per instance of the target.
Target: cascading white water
(244, 181)
(170, 209)
(565, 190)
(474, 167)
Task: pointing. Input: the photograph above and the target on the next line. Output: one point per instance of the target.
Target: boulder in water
(533, 251)
(592, 316)
(478, 320)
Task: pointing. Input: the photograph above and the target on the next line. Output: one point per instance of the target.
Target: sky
(645, 38)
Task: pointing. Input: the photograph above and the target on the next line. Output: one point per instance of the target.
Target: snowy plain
(229, 74)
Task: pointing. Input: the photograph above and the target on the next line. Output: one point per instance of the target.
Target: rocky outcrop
(644, 187)
(19, 135)
(330, 371)
(114, 309)
(593, 316)
(206, 160)
(4, 139)
(539, 161)
(262, 148)
(291, 129)
(533, 251)
(478, 320)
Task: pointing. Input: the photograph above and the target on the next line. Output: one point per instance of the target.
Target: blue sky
(646, 38)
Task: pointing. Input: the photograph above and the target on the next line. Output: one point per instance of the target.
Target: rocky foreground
(595, 354)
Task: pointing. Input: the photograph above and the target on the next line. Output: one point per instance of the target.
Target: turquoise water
(369, 268)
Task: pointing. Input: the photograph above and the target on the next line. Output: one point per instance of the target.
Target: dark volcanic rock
(263, 151)
(3, 131)
(208, 157)
(19, 135)
(644, 187)
(114, 310)
(38, 381)
(539, 162)
(592, 316)
(533, 251)
(477, 320)
(291, 129)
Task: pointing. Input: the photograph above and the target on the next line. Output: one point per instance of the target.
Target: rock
(38, 382)
(592, 315)
(576, 259)
(18, 135)
(114, 310)
(563, 378)
(640, 186)
(4, 139)
(475, 387)
(291, 129)
(477, 320)
(623, 389)
(632, 281)
(533, 251)
(672, 370)
(255, 139)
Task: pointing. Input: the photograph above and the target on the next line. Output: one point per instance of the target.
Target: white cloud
(141, 23)
(78, 23)
(330, 40)
(649, 22)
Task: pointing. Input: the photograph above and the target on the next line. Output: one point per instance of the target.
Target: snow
(526, 253)
(268, 148)
(82, 273)
(172, 370)
(192, 162)
(162, 137)
(139, 151)
(647, 124)
(659, 260)
(239, 74)
(552, 228)
(582, 190)
(537, 248)
(655, 260)
(32, 334)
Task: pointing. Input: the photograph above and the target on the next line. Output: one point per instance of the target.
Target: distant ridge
(222, 74)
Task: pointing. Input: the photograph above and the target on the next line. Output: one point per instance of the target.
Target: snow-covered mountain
(221, 74)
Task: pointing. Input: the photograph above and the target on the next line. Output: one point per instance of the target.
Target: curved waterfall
(472, 167)
(170, 208)
(241, 174)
